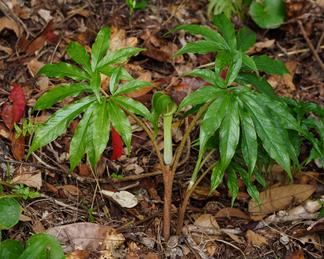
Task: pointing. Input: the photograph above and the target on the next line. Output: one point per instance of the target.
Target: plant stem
(167, 181)
(180, 148)
(167, 132)
(185, 201)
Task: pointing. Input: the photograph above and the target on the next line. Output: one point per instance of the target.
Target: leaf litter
(53, 27)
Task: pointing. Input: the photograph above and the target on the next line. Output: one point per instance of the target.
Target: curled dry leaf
(231, 212)
(123, 198)
(29, 179)
(206, 221)
(87, 236)
(10, 24)
(280, 198)
(255, 239)
(18, 147)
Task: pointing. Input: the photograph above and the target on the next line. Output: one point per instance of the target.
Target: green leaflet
(213, 118)
(61, 70)
(114, 79)
(234, 68)
(131, 86)
(42, 246)
(100, 47)
(79, 54)
(269, 65)
(59, 93)
(201, 47)
(232, 184)
(57, 123)
(273, 137)
(229, 133)
(109, 70)
(10, 212)
(245, 39)
(205, 74)
(121, 123)
(10, 249)
(119, 56)
(216, 177)
(132, 106)
(79, 142)
(227, 29)
(268, 14)
(95, 84)
(205, 31)
(249, 62)
(100, 128)
(200, 96)
(258, 82)
(249, 142)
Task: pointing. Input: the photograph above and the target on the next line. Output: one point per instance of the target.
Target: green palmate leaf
(273, 137)
(10, 249)
(201, 47)
(119, 56)
(229, 133)
(10, 212)
(131, 86)
(121, 123)
(95, 84)
(268, 14)
(227, 28)
(213, 118)
(133, 106)
(245, 39)
(200, 96)
(206, 32)
(258, 82)
(79, 141)
(61, 70)
(42, 246)
(57, 123)
(249, 142)
(79, 54)
(249, 62)
(59, 93)
(110, 70)
(216, 177)
(114, 79)
(100, 129)
(205, 74)
(269, 65)
(232, 184)
(90, 148)
(234, 68)
(100, 47)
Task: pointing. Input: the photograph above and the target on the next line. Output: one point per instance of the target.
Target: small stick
(310, 45)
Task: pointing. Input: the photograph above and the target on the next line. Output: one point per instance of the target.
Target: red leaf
(117, 144)
(12, 113)
(223, 73)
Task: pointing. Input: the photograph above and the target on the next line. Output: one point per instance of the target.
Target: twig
(310, 45)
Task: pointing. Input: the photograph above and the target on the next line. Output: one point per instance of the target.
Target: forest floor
(33, 33)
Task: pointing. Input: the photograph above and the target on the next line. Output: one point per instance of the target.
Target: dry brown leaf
(78, 254)
(123, 198)
(69, 189)
(34, 66)
(18, 147)
(87, 236)
(10, 24)
(298, 254)
(206, 221)
(255, 239)
(4, 132)
(119, 39)
(7, 50)
(231, 212)
(260, 46)
(203, 193)
(29, 179)
(280, 198)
